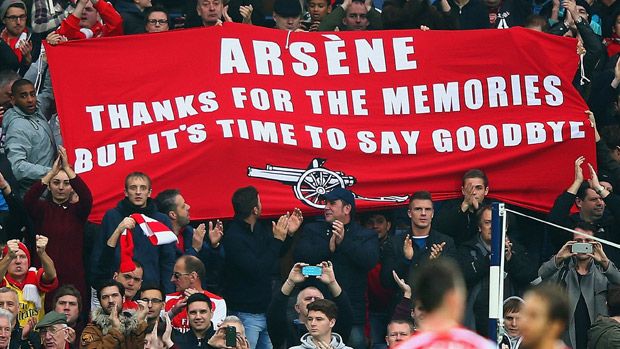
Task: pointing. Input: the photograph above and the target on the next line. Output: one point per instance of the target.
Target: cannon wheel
(314, 183)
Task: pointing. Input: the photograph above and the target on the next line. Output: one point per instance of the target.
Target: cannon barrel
(281, 174)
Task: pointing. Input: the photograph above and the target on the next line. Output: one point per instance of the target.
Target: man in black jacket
(285, 334)
(457, 218)
(251, 255)
(474, 258)
(353, 250)
(417, 246)
(596, 204)
(199, 313)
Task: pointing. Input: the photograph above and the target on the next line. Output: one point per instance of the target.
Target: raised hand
(408, 247)
(294, 221)
(564, 252)
(199, 236)
(578, 170)
(599, 255)
(436, 250)
(280, 229)
(13, 248)
(295, 274)
(225, 14)
(508, 253)
(41, 243)
(216, 232)
(327, 276)
(32, 322)
(338, 231)
(127, 223)
(142, 311)
(114, 320)
(402, 285)
(594, 183)
(71, 335)
(54, 38)
(469, 198)
(26, 48)
(246, 13)
(167, 336)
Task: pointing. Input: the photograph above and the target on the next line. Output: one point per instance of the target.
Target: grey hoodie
(29, 146)
(307, 343)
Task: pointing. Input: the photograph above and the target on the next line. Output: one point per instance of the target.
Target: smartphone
(581, 247)
(231, 336)
(311, 270)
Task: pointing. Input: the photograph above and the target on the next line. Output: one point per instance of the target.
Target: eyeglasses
(152, 300)
(51, 330)
(155, 21)
(16, 18)
(178, 275)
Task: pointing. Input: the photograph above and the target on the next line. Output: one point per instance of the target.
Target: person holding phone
(586, 277)
(285, 333)
(230, 335)
(18, 47)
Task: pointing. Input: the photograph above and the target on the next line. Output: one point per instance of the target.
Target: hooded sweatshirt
(307, 343)
(29, 145)
(604, 333)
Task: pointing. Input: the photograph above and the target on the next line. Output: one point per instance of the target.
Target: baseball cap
(340, 194)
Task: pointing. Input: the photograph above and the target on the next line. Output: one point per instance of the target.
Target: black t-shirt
(582, 321)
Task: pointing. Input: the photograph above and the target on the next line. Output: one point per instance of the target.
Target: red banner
(295, 114)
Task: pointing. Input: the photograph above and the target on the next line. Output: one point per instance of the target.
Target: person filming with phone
(285, 333)
(583, 268)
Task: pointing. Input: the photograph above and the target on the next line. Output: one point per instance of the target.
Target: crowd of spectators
(342, 280)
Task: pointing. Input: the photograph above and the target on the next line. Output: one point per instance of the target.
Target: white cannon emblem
(311, 183)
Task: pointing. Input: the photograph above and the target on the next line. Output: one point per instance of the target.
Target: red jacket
(64, 226)
(112, 24)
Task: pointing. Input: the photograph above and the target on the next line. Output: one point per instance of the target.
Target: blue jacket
(157, 261)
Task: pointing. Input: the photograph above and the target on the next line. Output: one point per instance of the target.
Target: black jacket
(394, 258)
(459, 225)
(9, 61)
(33, 340)
(353, 259)
(250, 259)
(188, 340)
(285, 334)
(474, 15)
(134, 20)
(474, 260)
